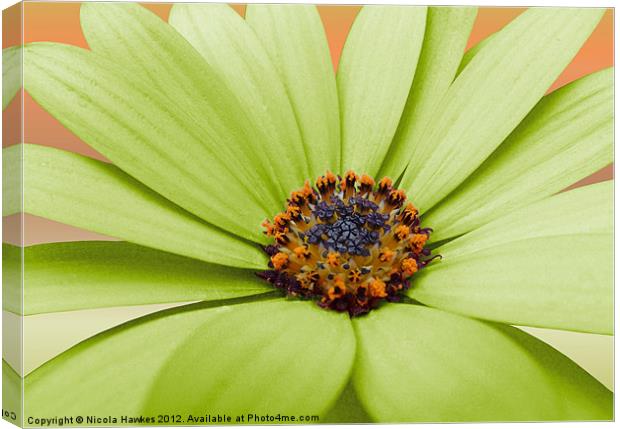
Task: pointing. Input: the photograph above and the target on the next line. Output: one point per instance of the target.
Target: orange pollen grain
(397, 196)
(293, 211)
(367, 181)
(331, 177)
(282, 219)
(409, 266)
(411, 209)
(307, 191)
(409, 213)
(351, 176)
(418, 241)
(355, 275)
(385, 183)
(281, 237)
(279, 260)
(337, 290)
(402, 231)
(326, 184)
(333, 259)
(386, 254)
(301, 252)
(269, 228)
(377, 289)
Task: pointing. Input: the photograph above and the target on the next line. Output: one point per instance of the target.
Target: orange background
(60, 22)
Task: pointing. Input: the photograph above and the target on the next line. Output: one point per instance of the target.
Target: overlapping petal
(241, 358)
(234, 52)
(497, 89)
(11, 73)
(445, 37)
(93, 195)
(549, 264)
(11, 392)
(417, 364)
(471, 52)
(11, 279)
(294, 37)
(567, 136)
(93, 274)
(189, 159)
(375, 73)
(347, 408)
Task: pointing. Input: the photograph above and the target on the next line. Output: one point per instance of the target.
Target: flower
(346, 243)
(209, 122)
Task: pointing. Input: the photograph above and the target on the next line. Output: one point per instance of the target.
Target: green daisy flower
(211, 120)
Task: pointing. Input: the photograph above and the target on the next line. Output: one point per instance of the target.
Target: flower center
(347, 243)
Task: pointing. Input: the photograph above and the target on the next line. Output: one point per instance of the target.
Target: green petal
(347, 408)
(420, 364)
(13, 344)
(549, 265)
(294, 37)
(93, 274)
(93, 195)
(471, 52)
(12, 278)
(234, 359)
(593, 352)
(374, 77)
(447, 32)
(492, 95)
(113, 371)
(567, 136)
(225, 79)
(51, 334)
(11, 394)
(12, 180)
(11, 73)
(149, 136)
(230, 46)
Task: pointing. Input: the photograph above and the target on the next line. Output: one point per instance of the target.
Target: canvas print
(297, 214)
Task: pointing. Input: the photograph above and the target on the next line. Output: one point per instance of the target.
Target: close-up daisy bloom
(361, 245)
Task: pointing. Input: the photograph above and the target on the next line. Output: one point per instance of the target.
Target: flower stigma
(346, 243)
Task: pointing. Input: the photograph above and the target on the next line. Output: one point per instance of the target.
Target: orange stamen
(366, 183)
(333, 259)
(355, 275)
(402, 231)
(301, 252)
(385, 185)
(270, 229)
(396, 197)
(377, 289)
(386, 254)
(417, 242)
(409, 214)
(337, 290)
(279, 260)
(409, 266)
